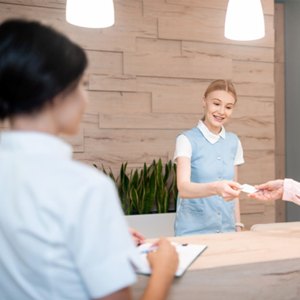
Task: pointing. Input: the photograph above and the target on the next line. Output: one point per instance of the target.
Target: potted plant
(148, 196)
(147, 190)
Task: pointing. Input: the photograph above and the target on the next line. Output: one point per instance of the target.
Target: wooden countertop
(254, 265)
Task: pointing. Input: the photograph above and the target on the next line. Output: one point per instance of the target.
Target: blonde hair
(221, 85)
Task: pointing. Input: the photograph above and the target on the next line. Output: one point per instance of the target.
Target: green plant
(150, 189)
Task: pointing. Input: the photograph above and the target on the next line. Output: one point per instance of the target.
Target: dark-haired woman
(62, 232)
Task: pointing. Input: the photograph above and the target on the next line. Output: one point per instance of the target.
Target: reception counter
(263, 264)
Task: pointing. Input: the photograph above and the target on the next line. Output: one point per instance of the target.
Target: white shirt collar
(34, 143)
(211, 137)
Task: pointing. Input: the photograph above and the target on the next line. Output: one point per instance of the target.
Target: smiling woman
(207, 158)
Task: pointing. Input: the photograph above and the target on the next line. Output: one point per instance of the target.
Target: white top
(62, 230)
(184, 147)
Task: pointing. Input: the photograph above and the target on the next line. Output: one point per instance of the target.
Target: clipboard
(187, 254)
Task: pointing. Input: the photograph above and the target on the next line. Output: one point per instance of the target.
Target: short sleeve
(183, 147)
(239, 157)
(99, 241)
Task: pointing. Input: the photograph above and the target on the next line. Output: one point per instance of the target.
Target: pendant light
(244, 20)
(90, 13)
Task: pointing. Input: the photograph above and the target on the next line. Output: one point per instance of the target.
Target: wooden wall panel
(253, 71)
(77, 141)
(119, 102)
(105, 63)
(147, 75)
(90, 120)
(120, 83)
(38, 3)
(268, 6)
(235, 52)
(110, 39)
(210, 29)
(254, 106)
(259, 166)
(280, 154)
(147, 121)
(255, 88)
(265, 216)
(144, 45)
(164, 65)
(262, 127)
(133, 145)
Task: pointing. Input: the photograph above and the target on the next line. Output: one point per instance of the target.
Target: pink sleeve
(291, 191)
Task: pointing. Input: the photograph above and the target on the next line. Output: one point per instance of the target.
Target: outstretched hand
(271, 190)
(228, 190)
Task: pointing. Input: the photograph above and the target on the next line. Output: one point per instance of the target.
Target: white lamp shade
(244, 20)
(90, 13)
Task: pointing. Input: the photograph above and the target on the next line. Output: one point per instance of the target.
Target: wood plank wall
(280, 155)
(147, 75)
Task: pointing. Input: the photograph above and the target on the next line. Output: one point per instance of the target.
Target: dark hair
(36, 64)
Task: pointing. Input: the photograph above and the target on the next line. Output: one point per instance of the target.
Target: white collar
(211, 137)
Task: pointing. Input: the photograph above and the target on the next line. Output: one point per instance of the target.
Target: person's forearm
(196, 190)
(158, 287)
(237, 211)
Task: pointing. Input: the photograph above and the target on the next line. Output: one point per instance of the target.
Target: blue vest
(209, 162)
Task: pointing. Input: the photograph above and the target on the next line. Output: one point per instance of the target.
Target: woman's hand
(271, 190)
(137, 236)
(165, 259)
(163, 262)
(228, 190)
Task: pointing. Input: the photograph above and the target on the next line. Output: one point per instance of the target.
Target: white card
(247, 188)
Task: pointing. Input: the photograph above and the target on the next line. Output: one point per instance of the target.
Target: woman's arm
(237, 212)
(187, 189)
(164, 263)
(287, 189)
